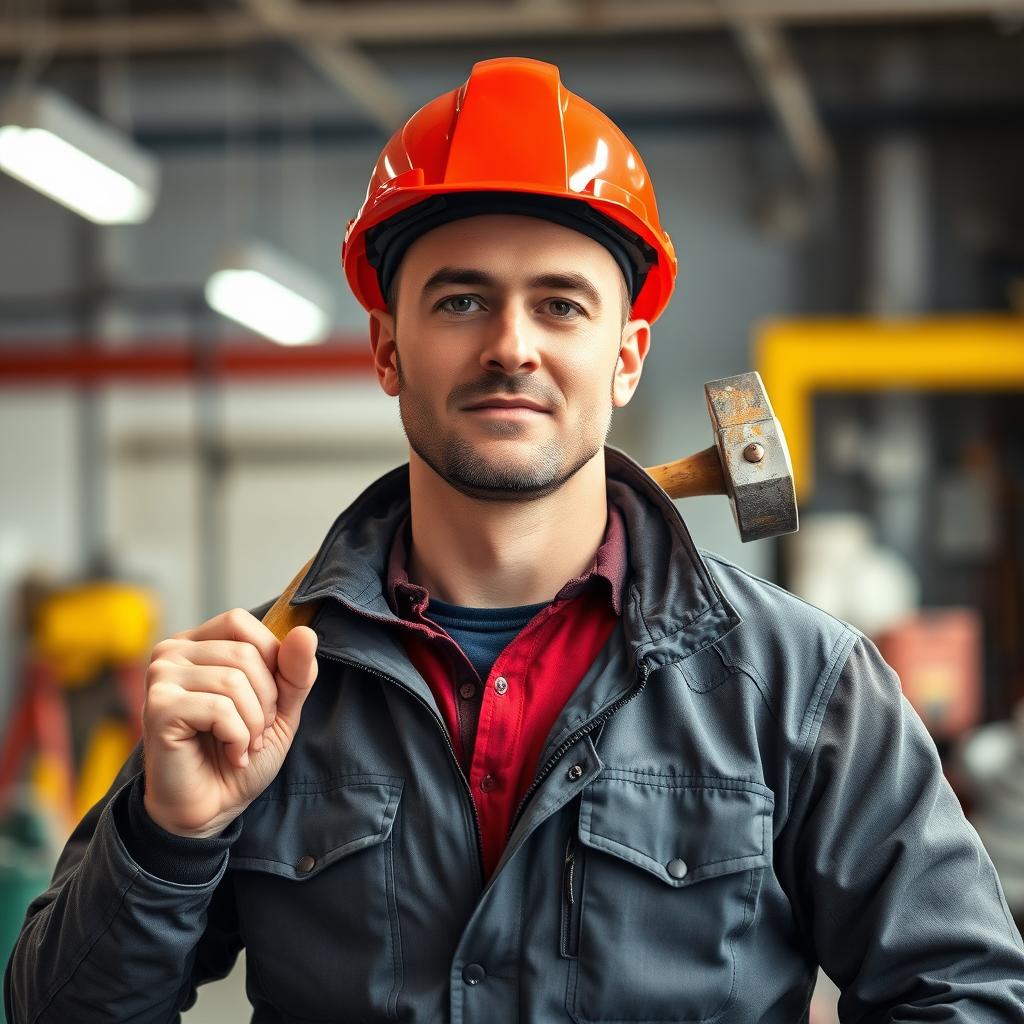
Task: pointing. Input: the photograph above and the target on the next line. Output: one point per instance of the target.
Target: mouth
(517, 406)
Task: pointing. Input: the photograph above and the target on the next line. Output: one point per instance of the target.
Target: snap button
(575, 772)
(467, 691)
(306, 863)
(487, 783)
(473, 974)
(677, 868)
(501, 684)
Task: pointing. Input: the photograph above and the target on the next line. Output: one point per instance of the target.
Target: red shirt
(499, 726)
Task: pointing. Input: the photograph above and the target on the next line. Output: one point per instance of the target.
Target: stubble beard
(458, 462)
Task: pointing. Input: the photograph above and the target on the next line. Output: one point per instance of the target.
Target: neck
(493, 554)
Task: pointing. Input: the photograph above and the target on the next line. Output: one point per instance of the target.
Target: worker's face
(511, 309)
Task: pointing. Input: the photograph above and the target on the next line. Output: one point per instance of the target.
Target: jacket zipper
(447, 739)
(593, 724)
(569, 914)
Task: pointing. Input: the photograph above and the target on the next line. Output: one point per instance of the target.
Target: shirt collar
(611, 564)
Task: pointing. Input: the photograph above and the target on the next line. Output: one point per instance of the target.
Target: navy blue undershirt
(483, 633)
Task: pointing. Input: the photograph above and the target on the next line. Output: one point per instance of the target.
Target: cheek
(430, 376)
(591, 378)
(425, 365)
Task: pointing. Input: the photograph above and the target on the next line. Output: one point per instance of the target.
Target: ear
(633, 348)
(385, 352)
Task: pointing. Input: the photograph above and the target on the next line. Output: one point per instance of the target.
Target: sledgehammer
(749, 462)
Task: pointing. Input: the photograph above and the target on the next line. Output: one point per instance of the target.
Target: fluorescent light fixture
(271, 294)
(70, 156)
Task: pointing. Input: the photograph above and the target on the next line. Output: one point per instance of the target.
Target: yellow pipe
(798, 358)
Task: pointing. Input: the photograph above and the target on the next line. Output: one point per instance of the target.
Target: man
(556, 765)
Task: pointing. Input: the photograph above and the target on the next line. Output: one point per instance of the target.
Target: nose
(511, 346)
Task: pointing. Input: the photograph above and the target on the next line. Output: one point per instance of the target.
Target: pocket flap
(678, 828)
(298, 831)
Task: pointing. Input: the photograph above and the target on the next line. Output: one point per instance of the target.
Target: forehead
(510, 246)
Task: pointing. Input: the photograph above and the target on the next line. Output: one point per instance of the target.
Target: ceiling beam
(339, 61)
(380, 24)
(788, 93)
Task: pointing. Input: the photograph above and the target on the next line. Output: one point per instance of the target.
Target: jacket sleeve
(109, 941)
(891, 885)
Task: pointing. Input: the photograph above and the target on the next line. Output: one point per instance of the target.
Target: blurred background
(844, 184)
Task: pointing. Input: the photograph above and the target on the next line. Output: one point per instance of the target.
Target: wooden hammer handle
(282, 617)
(684, 478)
(696, 474)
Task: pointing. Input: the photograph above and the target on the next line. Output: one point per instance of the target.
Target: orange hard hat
(512, 139)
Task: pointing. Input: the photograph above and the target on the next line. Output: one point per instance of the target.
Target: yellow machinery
(79, 711)
(800, 358)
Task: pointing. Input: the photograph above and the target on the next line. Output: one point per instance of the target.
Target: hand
(222, 707)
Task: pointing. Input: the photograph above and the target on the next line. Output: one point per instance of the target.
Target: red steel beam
(160, 363)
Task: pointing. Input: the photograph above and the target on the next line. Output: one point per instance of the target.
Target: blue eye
(450, 306)
(562, 309)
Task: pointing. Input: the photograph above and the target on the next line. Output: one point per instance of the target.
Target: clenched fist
(222, 707)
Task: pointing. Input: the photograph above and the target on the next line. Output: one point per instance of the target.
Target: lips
(510, 403)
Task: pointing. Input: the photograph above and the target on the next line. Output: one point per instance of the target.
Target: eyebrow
(469, 276)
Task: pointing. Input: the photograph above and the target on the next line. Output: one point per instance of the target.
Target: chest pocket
(663, 886)
(314, 883)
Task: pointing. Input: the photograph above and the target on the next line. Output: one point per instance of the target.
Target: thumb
(296, 673)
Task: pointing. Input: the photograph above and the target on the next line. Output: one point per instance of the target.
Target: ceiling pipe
(173, 362)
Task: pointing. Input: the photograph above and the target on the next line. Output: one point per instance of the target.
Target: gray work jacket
(735, 793)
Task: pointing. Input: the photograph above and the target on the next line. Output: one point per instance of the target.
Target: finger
(176, 714)
(240, 655)
(224, 727)
(232, 683)
(297, 669)
(238, 624)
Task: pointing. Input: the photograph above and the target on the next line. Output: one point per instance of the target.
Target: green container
(26, 864)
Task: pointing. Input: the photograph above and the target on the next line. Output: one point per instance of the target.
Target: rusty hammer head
(755, 461)
(749, 460)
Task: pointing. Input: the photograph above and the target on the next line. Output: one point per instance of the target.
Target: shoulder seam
(725, 563)
(815, 713)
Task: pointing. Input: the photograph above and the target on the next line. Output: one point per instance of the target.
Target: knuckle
(234, 681)
(158, 698)
(161, 650)
(238, 618)
(220, 707)
(253, 660)
(156, 673)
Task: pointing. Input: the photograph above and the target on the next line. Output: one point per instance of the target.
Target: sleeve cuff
(173, 858)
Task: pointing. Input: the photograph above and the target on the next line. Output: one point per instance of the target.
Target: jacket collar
(673, 605)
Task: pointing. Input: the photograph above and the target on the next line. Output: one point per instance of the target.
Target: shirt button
(487, 783)
(677, 868)
(575, 772)
(473, 974)
(501, 684)
(306, 863)
(467, 691)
